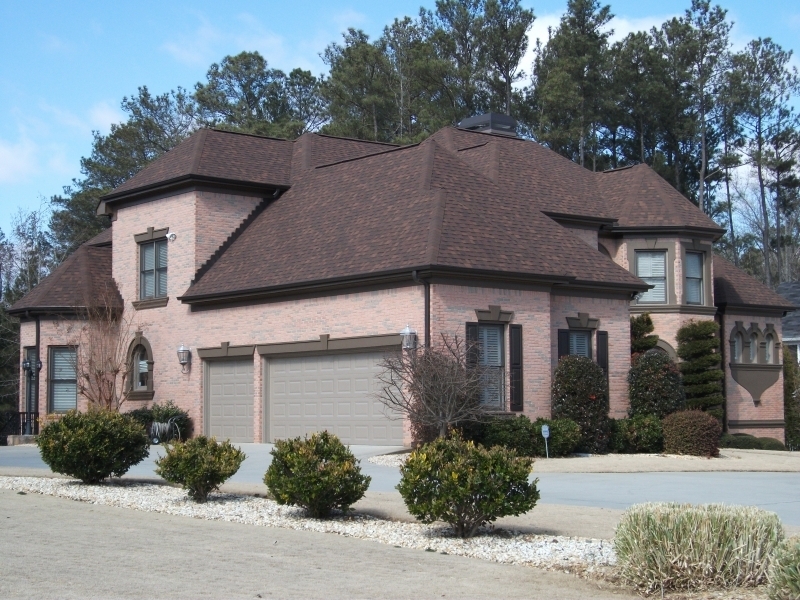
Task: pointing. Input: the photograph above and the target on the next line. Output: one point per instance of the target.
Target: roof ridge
(615, 169)
(350, 139)
(355, 158)
(255, 135)
(198, 153)
(436, 226)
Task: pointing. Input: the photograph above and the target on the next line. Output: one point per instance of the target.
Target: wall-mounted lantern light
(185, 358)
(409, 337)
(27, 366)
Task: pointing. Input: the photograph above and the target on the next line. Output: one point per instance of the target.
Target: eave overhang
(713, 233)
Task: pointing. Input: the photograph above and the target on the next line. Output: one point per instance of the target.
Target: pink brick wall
(615, 319)
(216, 217)
(739, 403)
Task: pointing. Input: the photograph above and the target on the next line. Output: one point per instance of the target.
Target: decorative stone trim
(150, 303)
(225, 350)
(140, 396)
(328, 344)
(150, 235)
(755, 378)
(583, 321)
(777, 424)
(495, 314)
(686, 309)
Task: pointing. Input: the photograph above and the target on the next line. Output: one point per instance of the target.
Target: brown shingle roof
(410, 208)
(83, 277)
(734, 287)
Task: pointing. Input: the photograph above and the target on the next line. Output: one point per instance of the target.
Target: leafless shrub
(434, 388)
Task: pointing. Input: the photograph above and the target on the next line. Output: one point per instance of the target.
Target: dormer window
(153, 269)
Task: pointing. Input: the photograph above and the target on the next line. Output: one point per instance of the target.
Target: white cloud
(622, 26)
(98, 117)
(102, 115)
(198, 48)
(18, 160)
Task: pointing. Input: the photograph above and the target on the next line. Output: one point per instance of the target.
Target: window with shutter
(651, 267)
(153, 269)
(489, 340)
(694, 278)
(63, 380)
(580, 343)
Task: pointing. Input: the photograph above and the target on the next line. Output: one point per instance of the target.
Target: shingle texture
(734, 287)
(83, 278)
(791, 322)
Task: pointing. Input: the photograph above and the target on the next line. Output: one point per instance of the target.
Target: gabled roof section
(640, 198)
(734, 288)
(83, 277)
(413, 208)
(101, 239)
(215, 156)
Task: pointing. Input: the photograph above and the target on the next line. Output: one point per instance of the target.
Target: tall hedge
(580, 393)
(642, 338)
(791, 400)
(654, 385)
(698, 347)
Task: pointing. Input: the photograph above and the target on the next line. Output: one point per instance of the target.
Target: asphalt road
(778, 492)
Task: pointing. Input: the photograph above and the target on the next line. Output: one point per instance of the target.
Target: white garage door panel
(336, 393)
(231, 400)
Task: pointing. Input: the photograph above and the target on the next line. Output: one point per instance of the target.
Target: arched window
(140, 379)
(753, 348)
(770, 350)
(738, 344)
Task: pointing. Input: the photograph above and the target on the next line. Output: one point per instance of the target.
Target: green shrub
(784, 571)
(515, 433)
(791, 399)
(768, 443)
(318, 473)
(161, 413)
(698, 347)
(654, 386)
(523, 436)
(642, 339)
(580, 393)
(640, 434)
(200, 465)
(565, 435)
(695, 547)
(739, 441)
(691, 432)
(93, 445)
(465, 485)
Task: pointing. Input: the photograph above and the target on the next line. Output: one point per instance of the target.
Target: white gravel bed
(498, 546)
(389, 460)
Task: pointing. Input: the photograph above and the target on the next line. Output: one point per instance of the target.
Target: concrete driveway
(778, 492)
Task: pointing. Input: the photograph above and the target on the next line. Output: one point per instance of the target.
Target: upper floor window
(153, 269)
(694, 278)
(651, 267)
(63, 388)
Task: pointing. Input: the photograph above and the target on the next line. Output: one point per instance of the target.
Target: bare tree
(435, 388)
(102, 337)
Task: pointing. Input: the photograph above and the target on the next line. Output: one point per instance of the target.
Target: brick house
(289, 267)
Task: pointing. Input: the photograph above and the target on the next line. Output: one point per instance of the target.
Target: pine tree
(698, 347)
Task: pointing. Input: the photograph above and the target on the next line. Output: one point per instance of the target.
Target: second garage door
(230, 400)
(332, 392)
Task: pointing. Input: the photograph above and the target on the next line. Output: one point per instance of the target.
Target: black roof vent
(491, 123)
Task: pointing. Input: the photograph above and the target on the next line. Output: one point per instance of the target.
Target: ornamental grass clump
(466, 485)
(200, 465)
(318, 473)
(663, 546)
(784, 571)
(93, 445)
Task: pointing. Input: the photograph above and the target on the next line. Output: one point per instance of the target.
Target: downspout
(427, 284)
(36, 366)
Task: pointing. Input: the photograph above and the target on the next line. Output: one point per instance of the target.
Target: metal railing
(18, 423)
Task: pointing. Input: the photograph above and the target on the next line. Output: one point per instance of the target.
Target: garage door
(334, 393)
(230, 400)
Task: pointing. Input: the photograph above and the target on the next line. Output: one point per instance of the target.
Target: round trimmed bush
(317, 473)
(93, 445)
(200, 465)
(784, 571)
(745, 441)
(580, 393)
(654, 386)
(466, 485)
(692, 432)
(639, 434)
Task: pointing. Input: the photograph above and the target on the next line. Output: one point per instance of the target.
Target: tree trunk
(730, 208)
(764, 213)
(702, 182)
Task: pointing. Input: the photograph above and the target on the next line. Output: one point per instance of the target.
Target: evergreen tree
(642, 337)
(698, 348)
(791, 399)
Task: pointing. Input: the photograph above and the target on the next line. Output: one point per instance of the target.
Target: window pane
(161, 254)
(694, 265)
(651, 264)
(737, 348)
(490, 340)
(148, 284)
(753, 347)
(579, 343)
(694, 291)
(148, 257)
(492, 387)
(65, 396)
(63, 363)
(162, 282)
(657, 294)
(768, 354)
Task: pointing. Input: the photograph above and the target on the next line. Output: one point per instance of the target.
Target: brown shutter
(563, 343)
(602, 350)
(472, 344)
(515, 339)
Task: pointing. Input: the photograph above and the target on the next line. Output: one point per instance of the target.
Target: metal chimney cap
(491, 123)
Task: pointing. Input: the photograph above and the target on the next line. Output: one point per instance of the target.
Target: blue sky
(65, 66)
